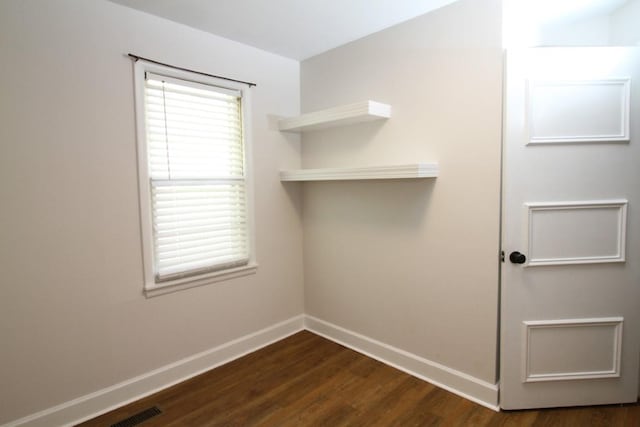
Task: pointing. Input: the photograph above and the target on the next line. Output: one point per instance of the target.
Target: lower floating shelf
(411, 171)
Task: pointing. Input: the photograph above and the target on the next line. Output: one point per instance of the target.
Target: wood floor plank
(216, 404)
(285, 393)
(391, 406)
(313, 399)
(513, 419)
(306, 380)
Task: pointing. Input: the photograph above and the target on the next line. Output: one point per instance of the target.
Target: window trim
(151, 287)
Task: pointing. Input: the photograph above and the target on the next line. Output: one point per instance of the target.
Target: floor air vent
(138, 418)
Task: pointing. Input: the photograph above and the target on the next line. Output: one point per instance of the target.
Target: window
(195, 192)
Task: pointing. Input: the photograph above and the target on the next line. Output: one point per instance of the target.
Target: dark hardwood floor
(306, 380)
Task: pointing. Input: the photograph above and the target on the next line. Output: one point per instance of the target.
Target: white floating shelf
(364, 111)
(412, 171)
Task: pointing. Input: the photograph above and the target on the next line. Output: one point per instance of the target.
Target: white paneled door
(570, 289)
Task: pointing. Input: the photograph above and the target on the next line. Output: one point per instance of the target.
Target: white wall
(530, 24)
(72, 315)
(413, 264)
(592, 31)
(625, 30)
(618, 28)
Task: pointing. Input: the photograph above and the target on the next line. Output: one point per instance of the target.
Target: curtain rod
(136, 57)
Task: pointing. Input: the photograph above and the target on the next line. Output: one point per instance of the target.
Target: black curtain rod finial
(136, 58)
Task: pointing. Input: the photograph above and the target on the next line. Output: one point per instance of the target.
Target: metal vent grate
(138, 418)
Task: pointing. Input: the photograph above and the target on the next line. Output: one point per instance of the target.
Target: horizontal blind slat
(200, 251)
(201, 259)
(215, 235)
(187, 227)
(200, 267)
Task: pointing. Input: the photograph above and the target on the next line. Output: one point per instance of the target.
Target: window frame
(151, 286)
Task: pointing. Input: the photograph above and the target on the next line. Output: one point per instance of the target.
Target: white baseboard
(107, 399)
(464, 385)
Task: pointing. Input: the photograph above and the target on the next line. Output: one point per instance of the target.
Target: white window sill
(152, 290)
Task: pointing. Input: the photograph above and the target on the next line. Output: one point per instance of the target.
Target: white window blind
(197, 179)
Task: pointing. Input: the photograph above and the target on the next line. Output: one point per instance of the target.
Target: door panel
(578, 110)
(581, 232)
(572, 349)
(570, 313)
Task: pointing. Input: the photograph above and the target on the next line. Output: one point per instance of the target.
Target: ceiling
(296, 29)
(299, 29)
(550, 10)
